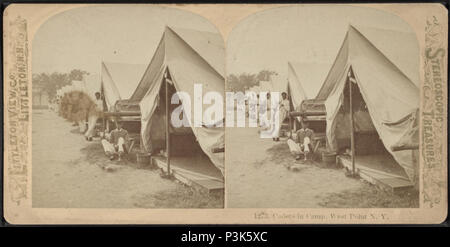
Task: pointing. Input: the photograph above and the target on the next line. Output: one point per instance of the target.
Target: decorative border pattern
(18, 108)
(434, 114)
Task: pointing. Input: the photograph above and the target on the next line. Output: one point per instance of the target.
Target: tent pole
(167, 124)
(102, 96)
(291, 128)
(290, 125)
(352, 127)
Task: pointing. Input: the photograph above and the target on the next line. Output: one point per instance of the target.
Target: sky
(310, 34)
(81, 38)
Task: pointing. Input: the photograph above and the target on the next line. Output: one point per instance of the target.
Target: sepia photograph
(225, 114)
(103, 77)
(348, 79)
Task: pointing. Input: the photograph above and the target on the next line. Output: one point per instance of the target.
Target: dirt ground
(257, 177)
(68, 171)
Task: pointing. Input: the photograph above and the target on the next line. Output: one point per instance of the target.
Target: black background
(278, 235)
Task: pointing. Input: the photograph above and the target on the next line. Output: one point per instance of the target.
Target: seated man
(303, 144)
(117, 143)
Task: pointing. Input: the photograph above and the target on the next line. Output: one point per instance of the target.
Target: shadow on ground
(280, 154)
(94, 155)
(367, 196)
(180, 197)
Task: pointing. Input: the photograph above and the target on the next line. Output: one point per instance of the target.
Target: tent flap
(388, 94)
(186, 68)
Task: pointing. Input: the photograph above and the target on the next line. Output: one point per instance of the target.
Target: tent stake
(352, 127)
(167, 125)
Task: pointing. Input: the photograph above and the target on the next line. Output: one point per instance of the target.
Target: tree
(245, 81)
(264, 75)
(77, 74)
(233, 83)
(54, 81)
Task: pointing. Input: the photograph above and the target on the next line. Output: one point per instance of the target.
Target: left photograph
(112, 121)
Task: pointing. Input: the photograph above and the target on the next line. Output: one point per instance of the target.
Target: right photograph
(337, 88)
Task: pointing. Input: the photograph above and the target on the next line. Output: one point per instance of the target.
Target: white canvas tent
(278, 83)
(77, 86)
(74, 85)
(119, 81)
(304, 81)
(92, 84)
(189, 57)
(65, 89)
(398, 47)
(390, 94)
(265, 86)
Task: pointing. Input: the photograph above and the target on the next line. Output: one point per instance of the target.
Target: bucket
(328, 157)
(143, 159)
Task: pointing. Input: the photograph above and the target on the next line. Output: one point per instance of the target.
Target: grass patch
(94, 154)
(370, 196)
(280, 154)
(181, 197)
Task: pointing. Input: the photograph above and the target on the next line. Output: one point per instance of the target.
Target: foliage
(75, 106)
(50, 82)
(245, 81)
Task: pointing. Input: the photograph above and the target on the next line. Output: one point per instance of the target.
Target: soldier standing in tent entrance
(303, 144)
(95, 111)
(283, 109)
(264, 109)
(116, 143)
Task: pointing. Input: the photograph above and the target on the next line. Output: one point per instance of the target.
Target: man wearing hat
(303, 144)
(116, 143)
